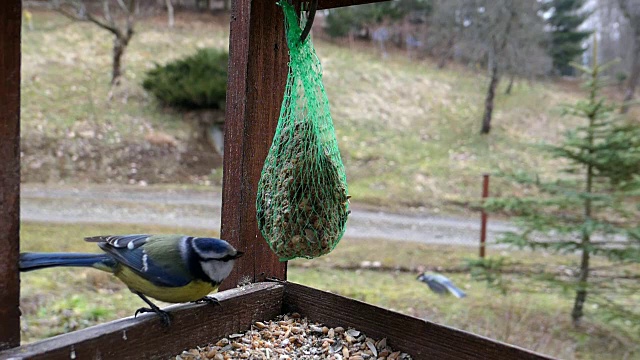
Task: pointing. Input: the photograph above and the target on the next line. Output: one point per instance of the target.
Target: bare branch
(128, 8)
(130, 17)
(80, 13)
(107, 12)
(108, 27)
(68, 14)
(124, 7)
(170, 13)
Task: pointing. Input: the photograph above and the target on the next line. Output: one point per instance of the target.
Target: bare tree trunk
(445, 53)
(581, 294)
(634, 20)
(634, 76)
(119, 46)
(510, 86)
(170, 16)
(116, 69)
(488, 103)
(78, 12)
(495, 55)
(585, 244)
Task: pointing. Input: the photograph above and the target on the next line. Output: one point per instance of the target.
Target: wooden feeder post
(257, 77)
(10, 22)
(258, 60)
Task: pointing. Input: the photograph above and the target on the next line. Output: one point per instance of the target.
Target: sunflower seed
(294, 337)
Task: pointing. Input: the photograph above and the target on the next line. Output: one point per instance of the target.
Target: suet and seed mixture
(294, 337)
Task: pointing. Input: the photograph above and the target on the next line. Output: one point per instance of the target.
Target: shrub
(196, 82)
(621, 77)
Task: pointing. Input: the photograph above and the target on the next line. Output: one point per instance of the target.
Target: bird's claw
(166, 318)
(208, 300)
(142, 310)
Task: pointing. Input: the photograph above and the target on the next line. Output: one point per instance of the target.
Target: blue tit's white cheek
(217, 270)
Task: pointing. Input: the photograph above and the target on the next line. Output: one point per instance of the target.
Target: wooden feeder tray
(144, 337)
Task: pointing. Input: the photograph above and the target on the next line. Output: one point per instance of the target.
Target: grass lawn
(55, 301)
(408, 132)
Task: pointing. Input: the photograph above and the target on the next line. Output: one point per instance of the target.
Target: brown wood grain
(419, 338)
(198, 325)
(10, 23)
(145, 337)
(257, 76)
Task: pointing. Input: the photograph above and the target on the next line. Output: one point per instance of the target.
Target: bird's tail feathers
(456, 292)
(35, 261)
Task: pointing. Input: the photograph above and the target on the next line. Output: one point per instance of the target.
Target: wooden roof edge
(329, 4)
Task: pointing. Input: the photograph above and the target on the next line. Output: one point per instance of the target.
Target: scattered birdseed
(294, 337)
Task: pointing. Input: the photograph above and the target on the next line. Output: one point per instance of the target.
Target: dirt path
(201, 209)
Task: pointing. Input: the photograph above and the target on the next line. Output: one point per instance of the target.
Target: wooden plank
(146, 338)
(10, 23)
(328, 4)
(419, 338)
(257, 77)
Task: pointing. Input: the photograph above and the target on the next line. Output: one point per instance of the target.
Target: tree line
(513, 39)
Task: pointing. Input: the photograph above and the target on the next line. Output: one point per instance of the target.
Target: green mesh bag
(302, 203)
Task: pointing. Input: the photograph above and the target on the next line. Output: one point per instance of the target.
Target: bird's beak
(238, 254)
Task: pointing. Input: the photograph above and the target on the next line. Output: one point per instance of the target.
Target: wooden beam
(329, 4)
(419, 338)
(197, 325)
(10, 23)
(145, 337)
(257, 77)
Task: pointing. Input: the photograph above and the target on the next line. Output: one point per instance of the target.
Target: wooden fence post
(10, 23)
(483, 216)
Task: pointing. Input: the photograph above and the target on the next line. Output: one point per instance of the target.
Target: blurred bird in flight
(441, 285)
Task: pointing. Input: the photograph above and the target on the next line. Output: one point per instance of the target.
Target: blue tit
(170, 268)
(440, 285)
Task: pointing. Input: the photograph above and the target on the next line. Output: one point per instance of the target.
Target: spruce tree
(591, 208)
(566, 40)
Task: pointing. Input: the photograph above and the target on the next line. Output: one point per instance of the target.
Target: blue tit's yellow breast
(195, 290)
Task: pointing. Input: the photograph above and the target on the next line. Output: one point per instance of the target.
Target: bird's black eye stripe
(225, 258)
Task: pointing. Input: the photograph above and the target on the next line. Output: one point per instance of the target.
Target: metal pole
(483, 216)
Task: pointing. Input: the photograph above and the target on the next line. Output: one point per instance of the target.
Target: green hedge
(195, 82)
